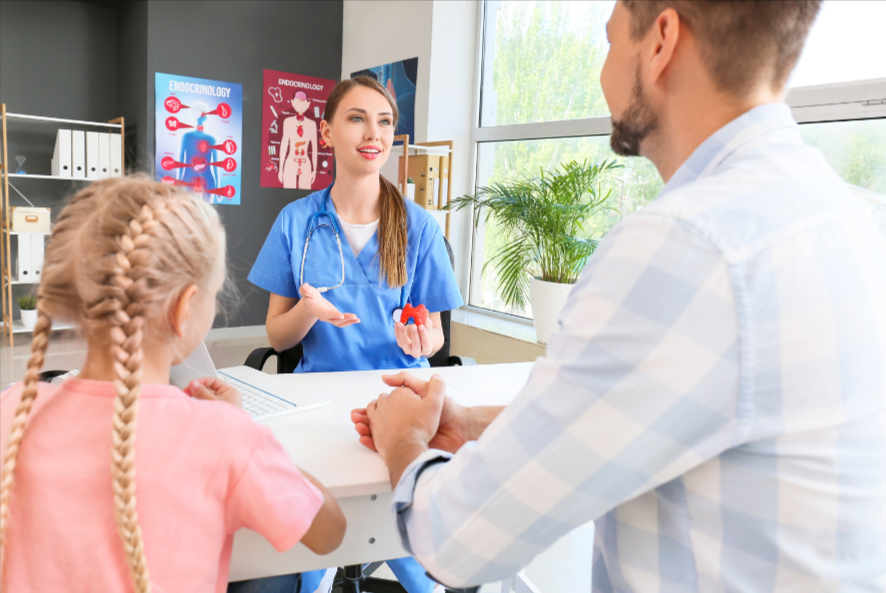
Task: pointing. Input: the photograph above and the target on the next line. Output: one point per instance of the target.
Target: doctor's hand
(403, 422)
(213, 389)
(322, 309)
(453, 430)
(415, 340)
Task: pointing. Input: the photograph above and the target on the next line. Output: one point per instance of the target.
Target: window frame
(844, 101)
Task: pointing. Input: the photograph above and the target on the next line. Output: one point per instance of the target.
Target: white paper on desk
(473, 397)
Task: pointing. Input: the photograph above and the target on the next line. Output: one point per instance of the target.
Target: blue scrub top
(370, 344)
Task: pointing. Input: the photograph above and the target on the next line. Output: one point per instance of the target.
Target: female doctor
(341, 263)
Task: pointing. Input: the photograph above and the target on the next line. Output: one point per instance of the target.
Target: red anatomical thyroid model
(418, 314)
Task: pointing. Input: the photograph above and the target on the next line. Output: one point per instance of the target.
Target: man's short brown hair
(742, 42)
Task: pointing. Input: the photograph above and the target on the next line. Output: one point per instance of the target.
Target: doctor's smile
(370, 152)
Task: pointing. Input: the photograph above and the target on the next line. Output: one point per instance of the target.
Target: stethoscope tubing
(309, 230)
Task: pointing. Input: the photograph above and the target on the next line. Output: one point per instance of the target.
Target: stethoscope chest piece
(398, 313)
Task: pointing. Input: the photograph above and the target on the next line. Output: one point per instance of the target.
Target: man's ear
(665, 34)
(180, 310)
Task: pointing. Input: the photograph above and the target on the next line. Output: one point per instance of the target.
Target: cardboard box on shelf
(29, 220)
(425, 171)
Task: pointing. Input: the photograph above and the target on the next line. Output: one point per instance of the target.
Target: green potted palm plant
(28, 309)
(546, 243)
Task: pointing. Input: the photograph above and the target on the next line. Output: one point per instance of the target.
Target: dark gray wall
(132, 83)
(96, 61)
(57, 59)
(233, 42)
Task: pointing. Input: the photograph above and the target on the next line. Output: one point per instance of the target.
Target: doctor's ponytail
(392, 217)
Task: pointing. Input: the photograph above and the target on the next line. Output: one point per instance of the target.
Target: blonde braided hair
(121, 251)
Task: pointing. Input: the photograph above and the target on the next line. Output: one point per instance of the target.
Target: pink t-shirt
(203, 471)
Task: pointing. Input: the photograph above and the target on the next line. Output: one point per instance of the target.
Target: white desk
(325, 443)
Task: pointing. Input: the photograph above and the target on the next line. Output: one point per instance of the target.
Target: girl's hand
(213, 389)
(415, 340)
(322, 309)
(280, 175)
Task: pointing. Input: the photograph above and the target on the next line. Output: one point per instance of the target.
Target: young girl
(137, 265)
(341, 263)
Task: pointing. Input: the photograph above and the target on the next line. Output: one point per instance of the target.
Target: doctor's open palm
(323, 310)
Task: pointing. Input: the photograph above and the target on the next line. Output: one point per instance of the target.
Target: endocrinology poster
(293, 154)
(199, 127)
(399, 78)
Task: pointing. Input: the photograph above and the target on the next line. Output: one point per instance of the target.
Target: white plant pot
(547, 299)
(29, 318)
(410, 191)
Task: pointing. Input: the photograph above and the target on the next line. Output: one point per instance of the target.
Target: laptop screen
(197, 365)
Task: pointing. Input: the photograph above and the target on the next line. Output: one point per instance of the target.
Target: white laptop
(261, 395)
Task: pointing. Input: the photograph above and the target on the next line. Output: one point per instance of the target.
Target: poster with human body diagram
(294, 155)
(199, 130)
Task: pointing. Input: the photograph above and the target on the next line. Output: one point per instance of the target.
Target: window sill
(491, 322)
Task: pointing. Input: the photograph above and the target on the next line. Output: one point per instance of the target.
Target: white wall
(440, 33)
(450, 107)
(377, 32)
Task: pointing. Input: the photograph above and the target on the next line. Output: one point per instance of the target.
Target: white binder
(104, 155)
(61, 156)
(92, 159)
(78, 154)
(25, 272)
(116, 155)
(37, 247)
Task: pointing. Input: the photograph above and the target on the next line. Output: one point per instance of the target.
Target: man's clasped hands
(415, 416)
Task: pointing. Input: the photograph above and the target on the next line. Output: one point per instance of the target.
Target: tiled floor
(565, 567)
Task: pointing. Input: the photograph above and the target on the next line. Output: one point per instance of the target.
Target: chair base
(352, 579)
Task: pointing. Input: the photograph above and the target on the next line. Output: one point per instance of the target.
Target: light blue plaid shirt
(715, 398)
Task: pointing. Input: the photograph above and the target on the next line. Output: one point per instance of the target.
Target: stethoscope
(312, 226)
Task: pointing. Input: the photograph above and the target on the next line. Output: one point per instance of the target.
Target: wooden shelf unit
(442, 146)
(11, 326)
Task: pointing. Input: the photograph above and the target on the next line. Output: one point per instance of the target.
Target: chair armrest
(258, 357)
(48, 376)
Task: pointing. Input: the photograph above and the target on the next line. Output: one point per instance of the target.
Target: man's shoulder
(754, 197)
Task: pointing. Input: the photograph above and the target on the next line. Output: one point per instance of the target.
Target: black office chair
(356, 578)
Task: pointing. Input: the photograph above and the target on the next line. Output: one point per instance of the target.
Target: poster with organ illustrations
(293, 153)
(199, 131)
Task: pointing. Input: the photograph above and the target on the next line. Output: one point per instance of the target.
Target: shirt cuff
(401, 498)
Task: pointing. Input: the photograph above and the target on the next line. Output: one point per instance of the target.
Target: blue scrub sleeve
(273, 267)
(434, 286)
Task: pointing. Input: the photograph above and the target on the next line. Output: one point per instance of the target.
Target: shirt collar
(725, 141)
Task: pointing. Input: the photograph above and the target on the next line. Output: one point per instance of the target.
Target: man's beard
(636, 123)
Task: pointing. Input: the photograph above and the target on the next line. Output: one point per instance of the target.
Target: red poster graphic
(293, 154)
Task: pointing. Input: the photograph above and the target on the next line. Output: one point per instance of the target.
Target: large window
(540, 105)
(542, 61)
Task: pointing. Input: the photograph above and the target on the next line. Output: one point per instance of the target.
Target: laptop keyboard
(255, 401)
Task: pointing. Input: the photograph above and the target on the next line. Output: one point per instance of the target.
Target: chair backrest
(441, 357)
(289, 359)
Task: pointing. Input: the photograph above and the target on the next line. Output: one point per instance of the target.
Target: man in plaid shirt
(715, 397)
